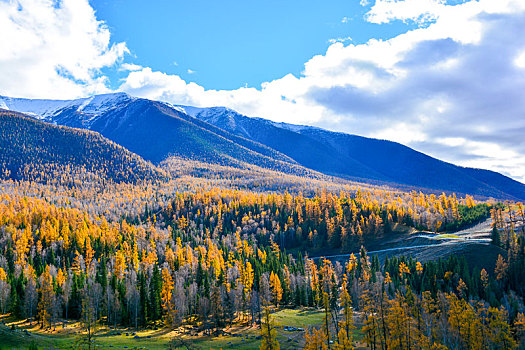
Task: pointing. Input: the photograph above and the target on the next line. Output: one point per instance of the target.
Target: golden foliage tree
(167, 296)
(268, 331)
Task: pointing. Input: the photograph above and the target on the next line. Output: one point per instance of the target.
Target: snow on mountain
(205, 112)
(222, 117)
(189, 110)
(99, 104)
(46, 109)
(226, 118)
(293, 127)
(38, 108)
(140, 126)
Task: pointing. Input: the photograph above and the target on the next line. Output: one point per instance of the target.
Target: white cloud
(191, 71)
(452, 79)
(419, 11)
(53, 49)
(130, 67)
(520, 60)
(346, 19)
(340, 40)
(267, 102)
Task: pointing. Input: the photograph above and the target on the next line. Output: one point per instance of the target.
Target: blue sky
(229, 44)
(445, 78)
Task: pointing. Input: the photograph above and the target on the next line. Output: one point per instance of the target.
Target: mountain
(361, 158)
(156, 130)
(288, 139)
(38, 151)
(87, 108)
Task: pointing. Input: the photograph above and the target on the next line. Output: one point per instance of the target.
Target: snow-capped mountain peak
(225, 117)
(45, 109)
(204, 112)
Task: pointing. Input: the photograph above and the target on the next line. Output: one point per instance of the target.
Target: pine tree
(495, 236)
(155, 307)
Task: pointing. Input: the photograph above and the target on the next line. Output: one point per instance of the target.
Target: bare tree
(66, 295)
(192, 299)
(56, 309)
(117, 308)
(110, 301)
(31, 298)
(133, 296)
(204, 311)
(5, 290)
(255, 308)
(180, 299)
(238, 299)
(265, 293)
(91, 297)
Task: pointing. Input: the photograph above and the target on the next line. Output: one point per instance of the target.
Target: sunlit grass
(237, 337)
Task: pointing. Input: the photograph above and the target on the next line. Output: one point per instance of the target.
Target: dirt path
(428, 246)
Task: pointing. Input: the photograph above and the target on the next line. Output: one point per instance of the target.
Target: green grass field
(239, 337)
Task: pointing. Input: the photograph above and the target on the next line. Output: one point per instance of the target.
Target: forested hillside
(37, 151)
(360, 157)
(212, 258)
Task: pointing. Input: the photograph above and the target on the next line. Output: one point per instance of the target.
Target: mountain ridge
(156, 130)
(479, 179)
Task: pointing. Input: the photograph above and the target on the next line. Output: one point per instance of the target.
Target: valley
(201, 228)
(262, 175)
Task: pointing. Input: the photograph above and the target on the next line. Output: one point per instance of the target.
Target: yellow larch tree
(277, 290)
(120, 264)
(47, 296)
(346, 325)
(166, 297)
(268, 331)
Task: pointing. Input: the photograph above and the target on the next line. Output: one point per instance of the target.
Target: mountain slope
(305, 150)
(498, 181)
(38, 151)
(360, 157)
(157, 130)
